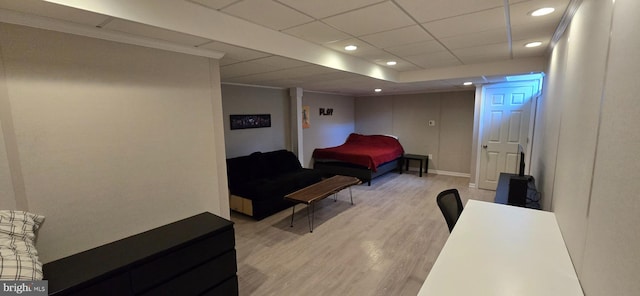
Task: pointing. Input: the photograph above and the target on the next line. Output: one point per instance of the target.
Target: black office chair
(450, 205)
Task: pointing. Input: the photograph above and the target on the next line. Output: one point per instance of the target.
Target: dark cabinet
(529, 192)
(194, 256)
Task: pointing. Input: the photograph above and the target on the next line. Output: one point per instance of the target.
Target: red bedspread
(366, 150)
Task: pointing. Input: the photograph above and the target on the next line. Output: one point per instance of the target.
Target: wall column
(295, 95)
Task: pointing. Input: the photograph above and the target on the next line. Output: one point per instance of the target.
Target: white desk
(497, 250)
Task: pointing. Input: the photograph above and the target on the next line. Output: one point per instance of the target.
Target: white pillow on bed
(18, 255)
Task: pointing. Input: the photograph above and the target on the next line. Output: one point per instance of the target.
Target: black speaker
(518, 191)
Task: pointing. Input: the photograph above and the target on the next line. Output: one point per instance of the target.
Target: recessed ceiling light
(533, 44)
(468, 83)
(543, 11)
(378, 90)
(350, 47)
(391, 63)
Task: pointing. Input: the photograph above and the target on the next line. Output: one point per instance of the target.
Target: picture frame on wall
(245, 121)
(306, 122)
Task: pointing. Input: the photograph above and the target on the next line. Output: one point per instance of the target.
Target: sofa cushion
(278, 186)
(241, 170)
(265, 178)
(280, 162)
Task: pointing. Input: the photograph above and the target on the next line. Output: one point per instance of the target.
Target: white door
(505, 124)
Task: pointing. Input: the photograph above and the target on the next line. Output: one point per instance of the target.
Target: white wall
(611, 265)
(407, 116)
(593, 76)
(584, 73)
(326, 131)
(547, 127)
(111, 139)
(374, 115)
(8, 200)
(7, 194)
(256, 100)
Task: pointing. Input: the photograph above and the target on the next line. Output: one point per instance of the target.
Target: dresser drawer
(116, 285)
(226, 288)
(201, 278)
(175, 263)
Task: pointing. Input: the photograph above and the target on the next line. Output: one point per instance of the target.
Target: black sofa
(259, 182)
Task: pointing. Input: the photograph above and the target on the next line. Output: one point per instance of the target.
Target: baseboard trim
(448, 173)
(472, 185)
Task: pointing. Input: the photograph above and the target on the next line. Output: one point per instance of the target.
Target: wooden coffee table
(315, 192)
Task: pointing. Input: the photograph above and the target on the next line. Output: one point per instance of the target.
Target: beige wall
(407, 116)
(7, 194)
(111, 139)
(593, 79)
(326, 131)
(238, 99)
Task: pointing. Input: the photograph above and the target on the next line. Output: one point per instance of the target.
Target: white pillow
(18, 255)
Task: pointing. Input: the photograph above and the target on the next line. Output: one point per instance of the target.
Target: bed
(362, 156)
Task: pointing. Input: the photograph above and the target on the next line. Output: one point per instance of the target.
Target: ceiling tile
(298, 73)
(54, 11)
(345, 85)
(323, 81)
(317, 32)
(373, 19)
(280, 62)
(306, 71)
(284, 83)
(371, 53)
(434, 60)
(153, 32)
(543, 31)
(419, 87)
(417, 48)
(267, 13)
(466, 31)
(402, 65)
(520, 12)
(363, 47)
(215, 4)
(520, 51)
(397, 37)
(244, 68)
(467, 24)
(235, 52)
(481, 54)
(325, 8)
(460, 81)
(328, 76)
(476, 39)
(430, 10)
(257, 66)
(228, 61)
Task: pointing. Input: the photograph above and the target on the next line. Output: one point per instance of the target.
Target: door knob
(484, 146)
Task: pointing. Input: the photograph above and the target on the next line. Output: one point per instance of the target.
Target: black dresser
(194, 256)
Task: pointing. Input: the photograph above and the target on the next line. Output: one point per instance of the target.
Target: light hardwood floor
(385, 244)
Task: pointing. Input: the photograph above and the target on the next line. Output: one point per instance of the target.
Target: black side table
(422, 158)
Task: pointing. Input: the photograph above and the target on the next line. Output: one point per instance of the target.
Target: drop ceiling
(437, 44)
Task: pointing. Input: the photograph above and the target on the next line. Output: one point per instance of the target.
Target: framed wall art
(250, 121)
